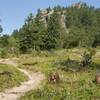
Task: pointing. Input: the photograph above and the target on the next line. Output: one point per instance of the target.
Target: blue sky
(14, 12)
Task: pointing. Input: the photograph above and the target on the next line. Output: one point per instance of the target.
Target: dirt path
(16, 92)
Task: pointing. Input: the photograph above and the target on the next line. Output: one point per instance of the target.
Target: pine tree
(52, 40)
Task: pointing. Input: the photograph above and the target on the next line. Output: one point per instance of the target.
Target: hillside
(73, 84)
(56, 28)
(54, 55)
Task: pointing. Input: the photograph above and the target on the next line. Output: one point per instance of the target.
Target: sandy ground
(16, 92)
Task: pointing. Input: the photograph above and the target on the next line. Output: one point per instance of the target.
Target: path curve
(16, 92)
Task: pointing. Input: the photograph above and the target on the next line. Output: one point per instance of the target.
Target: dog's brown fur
(54, 77)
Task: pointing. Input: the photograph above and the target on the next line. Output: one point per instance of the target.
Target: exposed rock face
(78, 5)
(63, 21)
(46, 15)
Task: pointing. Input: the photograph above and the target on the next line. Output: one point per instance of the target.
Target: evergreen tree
(1, 28)
(52, 39)
(4, 41)
(45, 31)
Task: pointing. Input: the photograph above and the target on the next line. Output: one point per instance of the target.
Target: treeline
(56, 28)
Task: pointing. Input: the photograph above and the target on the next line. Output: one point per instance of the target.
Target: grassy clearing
(10, 77)
(73, 85)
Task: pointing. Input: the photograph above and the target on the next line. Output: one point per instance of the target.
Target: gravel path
(15, 93)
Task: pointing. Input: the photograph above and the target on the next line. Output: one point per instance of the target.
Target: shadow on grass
(74, 66)
(95, 66)
(68, 65)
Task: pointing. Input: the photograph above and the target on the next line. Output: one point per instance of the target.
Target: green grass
(11, 77)
(73, 85)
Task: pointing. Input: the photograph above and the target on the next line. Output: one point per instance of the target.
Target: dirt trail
(16, 92)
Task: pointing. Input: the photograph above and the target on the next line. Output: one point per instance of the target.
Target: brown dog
(54, 77)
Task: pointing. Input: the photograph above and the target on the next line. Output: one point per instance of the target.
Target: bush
(3, 53)
(86, 60)
(87, 57)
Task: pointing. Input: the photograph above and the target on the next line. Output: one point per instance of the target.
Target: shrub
(87, 57)
(86, 60)
(3, 53)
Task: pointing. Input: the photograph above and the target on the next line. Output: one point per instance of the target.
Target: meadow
(73, 85)
(10, 77)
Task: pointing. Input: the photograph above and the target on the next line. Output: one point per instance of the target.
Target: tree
(72, 38)
(97, 34)
(45, 31)
(52, 39)
(40, 31)
(25, 41)
(15, 34)
(32, 34)
(1, 28)
(4, 41)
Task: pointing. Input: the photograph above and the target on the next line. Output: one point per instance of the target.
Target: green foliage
(86, 60)
(4, 41)
(15, 33)
(1, 27)
(72, 38)
(84, 18)
(3, 53)
(52, 40)
(73, 85)
(45, 31)
(32, 34)
(87, 57)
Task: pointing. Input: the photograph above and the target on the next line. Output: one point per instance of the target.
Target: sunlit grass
(73, 85)
(11, 77)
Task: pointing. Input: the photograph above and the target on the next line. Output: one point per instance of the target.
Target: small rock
(97, 78)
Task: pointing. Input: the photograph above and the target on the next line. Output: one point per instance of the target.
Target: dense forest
(55, 28)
